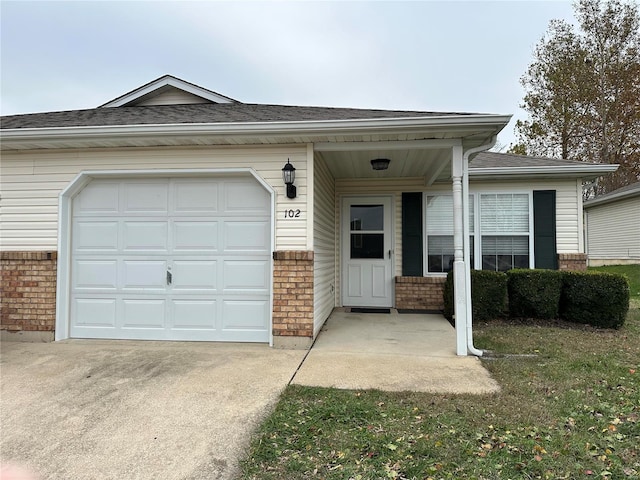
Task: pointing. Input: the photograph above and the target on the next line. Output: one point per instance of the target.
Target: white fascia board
(492, 123)
(586, 170)
(164, 81)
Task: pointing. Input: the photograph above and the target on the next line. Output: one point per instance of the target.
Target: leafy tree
(582, 91)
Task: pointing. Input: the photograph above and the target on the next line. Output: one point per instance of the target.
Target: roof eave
(490, 124)
(585, 171)
(613, 198)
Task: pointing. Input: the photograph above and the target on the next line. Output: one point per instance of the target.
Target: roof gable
(168, 90)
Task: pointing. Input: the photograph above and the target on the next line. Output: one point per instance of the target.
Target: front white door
(367, 252)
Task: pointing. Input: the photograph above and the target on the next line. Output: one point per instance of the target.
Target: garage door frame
(63, 292)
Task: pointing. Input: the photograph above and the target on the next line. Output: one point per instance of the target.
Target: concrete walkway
(393, 352)
(90, 409)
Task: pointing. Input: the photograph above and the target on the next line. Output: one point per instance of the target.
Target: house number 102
(292, 213)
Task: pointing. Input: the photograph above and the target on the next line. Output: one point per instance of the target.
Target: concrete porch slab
(393, 352)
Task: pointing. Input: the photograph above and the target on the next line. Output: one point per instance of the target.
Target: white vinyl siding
(172, 96)
(613, 230)
(324, 232)
(31, 182)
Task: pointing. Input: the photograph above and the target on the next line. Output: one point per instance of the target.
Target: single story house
(612, 227)
(164, 215)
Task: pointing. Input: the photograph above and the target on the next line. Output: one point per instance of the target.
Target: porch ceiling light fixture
(380, 163)
(289, 176)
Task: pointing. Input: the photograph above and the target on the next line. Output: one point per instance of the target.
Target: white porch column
(460, 292)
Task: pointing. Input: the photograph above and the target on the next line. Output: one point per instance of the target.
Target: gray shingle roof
(509, 160)
(623, 192)
(202, 113)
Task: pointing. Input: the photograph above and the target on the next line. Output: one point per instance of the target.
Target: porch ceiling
(433, 164)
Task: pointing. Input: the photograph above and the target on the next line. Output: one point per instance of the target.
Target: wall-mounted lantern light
(289, 176)
(380, 163)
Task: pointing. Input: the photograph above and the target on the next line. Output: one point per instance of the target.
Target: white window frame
(425, 234)
(477, 233)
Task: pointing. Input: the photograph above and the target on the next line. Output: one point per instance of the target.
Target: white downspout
(467, 254)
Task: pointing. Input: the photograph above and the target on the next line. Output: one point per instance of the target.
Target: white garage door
(171, 259)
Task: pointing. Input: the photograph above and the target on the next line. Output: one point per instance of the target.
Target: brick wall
(293, 293)
(28, 291)
(420, 293)
(572, 261)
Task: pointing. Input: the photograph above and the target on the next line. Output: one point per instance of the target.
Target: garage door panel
(246, 236)
(193, 275)
(95, 312)
(246, 276)
(98, 198)
(145, 236)
(195, 197)
(143, 313)
(195, 236)
(95, 274)
(147, 197)
(245, 315)
(194, 314)
(147, 274)
(91, 236)
(244, 197)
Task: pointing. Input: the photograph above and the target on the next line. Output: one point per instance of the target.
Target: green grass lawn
(569, 409)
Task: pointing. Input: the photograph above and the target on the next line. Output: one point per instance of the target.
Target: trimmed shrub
(598, 299)
(534, 293)
(488, 295)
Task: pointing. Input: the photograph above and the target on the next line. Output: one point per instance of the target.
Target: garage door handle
(169, 277)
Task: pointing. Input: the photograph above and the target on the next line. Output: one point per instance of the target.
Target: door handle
(169, 277)
(389, 254)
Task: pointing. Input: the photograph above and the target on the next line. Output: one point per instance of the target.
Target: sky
(451, 56)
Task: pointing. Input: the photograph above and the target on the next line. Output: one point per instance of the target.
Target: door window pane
(367, 245)
(367, 217)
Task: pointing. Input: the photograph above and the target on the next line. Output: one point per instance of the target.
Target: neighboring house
(163, 215)
(612, 227)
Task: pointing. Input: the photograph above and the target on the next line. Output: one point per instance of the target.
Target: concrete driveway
(84, 409)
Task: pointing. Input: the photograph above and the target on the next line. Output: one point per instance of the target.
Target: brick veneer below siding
(28, 291)
(572, 261)
(293, 293)
(420, 293)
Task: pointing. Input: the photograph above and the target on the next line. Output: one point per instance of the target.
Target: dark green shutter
(544, 229)
(412, 244)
